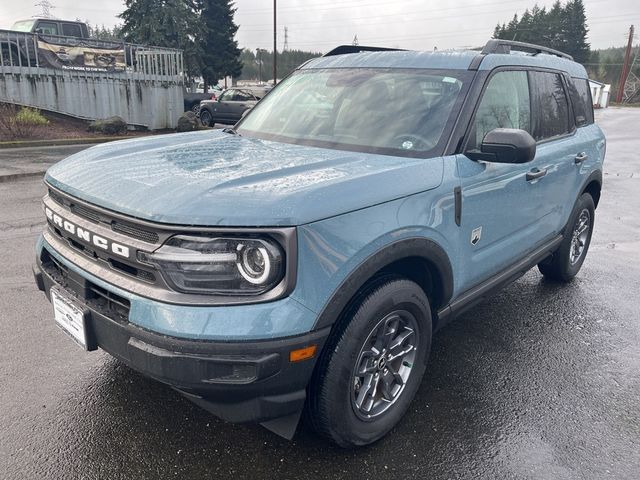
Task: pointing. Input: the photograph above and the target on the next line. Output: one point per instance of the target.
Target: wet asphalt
(540, 382)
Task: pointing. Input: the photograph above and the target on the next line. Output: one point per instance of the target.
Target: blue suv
(303, 259)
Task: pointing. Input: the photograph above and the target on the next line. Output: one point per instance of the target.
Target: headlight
(220, 265)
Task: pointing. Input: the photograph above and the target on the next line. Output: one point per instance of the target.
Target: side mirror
(505, 145)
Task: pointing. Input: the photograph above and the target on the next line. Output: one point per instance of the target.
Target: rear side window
(581, 100)
(71, 30)
(505, 104)
(551, 108)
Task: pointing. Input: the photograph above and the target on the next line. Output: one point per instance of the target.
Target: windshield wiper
(231, 131)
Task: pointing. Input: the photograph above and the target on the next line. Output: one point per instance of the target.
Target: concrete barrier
(140, 99)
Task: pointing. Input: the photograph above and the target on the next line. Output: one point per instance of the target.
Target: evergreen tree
(576, 31)
(103, 33)
(555, 36)
(164, 23)
(563, 27)
(220, 52)
(525, 26)
(539, 27)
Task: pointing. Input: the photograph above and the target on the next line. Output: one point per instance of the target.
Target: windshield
(387, 111)
(23, 26)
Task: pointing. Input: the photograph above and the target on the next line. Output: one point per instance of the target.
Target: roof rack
(343, 49)
(505, 46)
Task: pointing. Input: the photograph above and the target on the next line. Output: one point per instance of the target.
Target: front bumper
(235, 380)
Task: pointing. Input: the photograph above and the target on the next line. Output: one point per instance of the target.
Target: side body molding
(422, 248)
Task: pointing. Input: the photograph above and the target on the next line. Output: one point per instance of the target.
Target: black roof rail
(344, 49)
(505, 46)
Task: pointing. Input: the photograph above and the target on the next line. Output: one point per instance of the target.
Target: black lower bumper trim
(236, 381)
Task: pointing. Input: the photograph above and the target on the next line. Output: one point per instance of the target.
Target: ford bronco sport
(304, 258)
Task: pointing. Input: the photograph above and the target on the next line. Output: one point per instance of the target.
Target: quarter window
(505, 104)
(552, 109)
(581, 101)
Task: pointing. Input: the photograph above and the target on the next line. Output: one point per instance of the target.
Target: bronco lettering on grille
(86, 235)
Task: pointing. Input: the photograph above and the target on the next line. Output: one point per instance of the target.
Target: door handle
(581, 157)
(535, 174)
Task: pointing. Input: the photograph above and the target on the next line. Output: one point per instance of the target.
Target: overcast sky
(321, 24)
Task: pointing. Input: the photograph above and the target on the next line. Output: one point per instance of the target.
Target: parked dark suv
(229, 107)
(304, 258)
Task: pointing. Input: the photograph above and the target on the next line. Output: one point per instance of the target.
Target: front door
(503, 208)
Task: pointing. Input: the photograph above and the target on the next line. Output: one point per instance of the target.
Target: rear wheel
(373, 365)
(565, 263)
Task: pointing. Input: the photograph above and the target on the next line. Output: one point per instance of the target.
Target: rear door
(220, 109)
(557, 146)
(242, 101)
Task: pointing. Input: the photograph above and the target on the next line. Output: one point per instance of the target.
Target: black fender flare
(596, 176)
(420, 247)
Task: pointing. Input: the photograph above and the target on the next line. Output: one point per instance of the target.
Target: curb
(13, 177)
(61, 142)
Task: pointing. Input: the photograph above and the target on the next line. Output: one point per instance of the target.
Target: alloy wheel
(384, 364)
(580, 236)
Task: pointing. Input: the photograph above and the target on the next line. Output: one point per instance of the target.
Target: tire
(352, 407)
(195, 108)
(205, 118)
(566, 261)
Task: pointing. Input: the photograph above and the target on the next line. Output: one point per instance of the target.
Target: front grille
(105, 302)
(134, 231)
(94, 216)
(115, 264)
(85, 213)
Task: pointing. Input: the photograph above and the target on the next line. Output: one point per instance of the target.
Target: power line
(322, 25)
(412, 37)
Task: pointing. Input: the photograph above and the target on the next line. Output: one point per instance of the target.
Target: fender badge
(476, 235)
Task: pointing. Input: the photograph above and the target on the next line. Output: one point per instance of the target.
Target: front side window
(228, 96)
(47, 28)
(505, 103)
(242, 96)
(581, 100)
(386, 111)
(552, 109)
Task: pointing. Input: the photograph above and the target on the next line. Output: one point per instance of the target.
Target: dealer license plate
(69, 317)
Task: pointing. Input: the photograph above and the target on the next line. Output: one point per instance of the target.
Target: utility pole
(632, 85)
(259, 51)
(286, 39)
(46, 8)
(275, 45)
(625, 67)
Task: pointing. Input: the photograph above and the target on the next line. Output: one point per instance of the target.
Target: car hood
(214, 178)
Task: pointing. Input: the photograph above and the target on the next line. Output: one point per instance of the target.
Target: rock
(110, 126)
(187, 122)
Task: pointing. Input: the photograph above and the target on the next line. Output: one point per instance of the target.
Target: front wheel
(205, 118)
(565, 263)
(373, 365)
